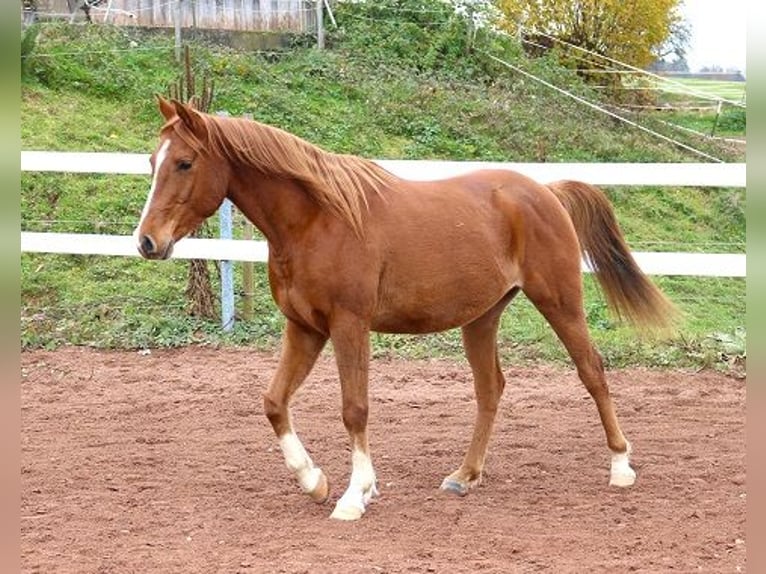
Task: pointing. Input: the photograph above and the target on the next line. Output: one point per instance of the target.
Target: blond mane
(337, 182)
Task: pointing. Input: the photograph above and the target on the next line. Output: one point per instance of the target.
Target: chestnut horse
(354, 249)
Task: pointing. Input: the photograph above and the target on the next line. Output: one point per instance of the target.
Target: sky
(718, 35)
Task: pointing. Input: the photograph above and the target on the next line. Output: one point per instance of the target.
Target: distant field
(692, 104)
(731, 91)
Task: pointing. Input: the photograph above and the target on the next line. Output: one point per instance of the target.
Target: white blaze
(161, 155)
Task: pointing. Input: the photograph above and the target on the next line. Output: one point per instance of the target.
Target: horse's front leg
(300, 349)
(351, 342)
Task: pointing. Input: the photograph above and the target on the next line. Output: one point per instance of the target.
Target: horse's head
(188, 182)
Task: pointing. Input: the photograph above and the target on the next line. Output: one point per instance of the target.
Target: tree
(199, 290)
(677, 42)
(660, 66)
(636, 32)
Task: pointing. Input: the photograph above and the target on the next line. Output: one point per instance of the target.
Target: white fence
(657, 174)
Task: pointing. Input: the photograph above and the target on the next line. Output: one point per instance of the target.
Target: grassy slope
(83, 96)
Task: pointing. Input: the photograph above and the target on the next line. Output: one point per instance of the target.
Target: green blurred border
(10, 417)
(756, 283)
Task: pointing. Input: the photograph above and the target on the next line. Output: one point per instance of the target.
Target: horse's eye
(184, 165)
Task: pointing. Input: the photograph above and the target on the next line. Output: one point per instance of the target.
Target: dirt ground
(164, 462)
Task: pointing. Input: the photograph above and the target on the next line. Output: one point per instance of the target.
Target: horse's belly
(440, 300)
(419, 323)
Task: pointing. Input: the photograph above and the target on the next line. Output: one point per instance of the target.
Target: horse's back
(486, 214)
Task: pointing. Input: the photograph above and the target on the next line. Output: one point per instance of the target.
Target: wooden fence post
(717, 117)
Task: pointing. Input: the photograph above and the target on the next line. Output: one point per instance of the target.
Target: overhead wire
(603, 110)
(624, 65)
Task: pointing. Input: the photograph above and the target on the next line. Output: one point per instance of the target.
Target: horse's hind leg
(560, 301)
(480, 342)
(300, 349)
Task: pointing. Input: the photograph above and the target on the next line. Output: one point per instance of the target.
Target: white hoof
(353, 504)
(622, 474)
(623, 479)
(347, 512)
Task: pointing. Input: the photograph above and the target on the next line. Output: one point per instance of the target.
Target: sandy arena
(165, 463)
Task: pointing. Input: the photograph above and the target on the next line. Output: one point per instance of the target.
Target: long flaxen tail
(629, 292)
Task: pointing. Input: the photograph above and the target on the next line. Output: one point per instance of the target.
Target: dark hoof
(454, 487)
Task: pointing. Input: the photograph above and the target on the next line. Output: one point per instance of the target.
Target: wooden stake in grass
(199, 291)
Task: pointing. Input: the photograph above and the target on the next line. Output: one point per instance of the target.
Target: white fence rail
(662, 174)
(653, 263)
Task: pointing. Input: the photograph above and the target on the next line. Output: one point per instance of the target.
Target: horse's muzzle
(149, 249)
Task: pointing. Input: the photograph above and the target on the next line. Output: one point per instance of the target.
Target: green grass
(79, 94)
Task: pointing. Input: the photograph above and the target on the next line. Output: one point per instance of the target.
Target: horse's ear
(190, 117)
(166, 108)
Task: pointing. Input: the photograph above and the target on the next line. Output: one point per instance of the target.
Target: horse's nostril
(147, 245)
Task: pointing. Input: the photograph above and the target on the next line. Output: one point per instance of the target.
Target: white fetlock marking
(298, 460)
(361, 489)
(621, 473)
(309, 479)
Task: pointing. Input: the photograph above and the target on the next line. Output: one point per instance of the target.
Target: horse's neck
(278, 207)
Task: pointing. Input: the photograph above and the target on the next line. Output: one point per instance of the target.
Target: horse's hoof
(454, 487)
(623, 478)
(347, 513)
(621, 473)
(321, 491)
